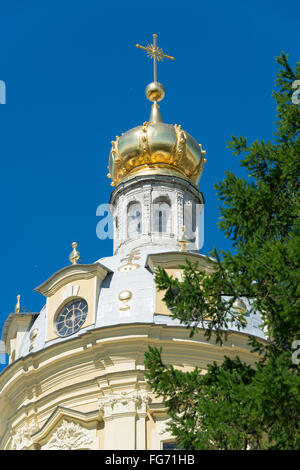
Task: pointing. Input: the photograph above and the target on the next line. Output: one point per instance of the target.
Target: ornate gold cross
(155, 53)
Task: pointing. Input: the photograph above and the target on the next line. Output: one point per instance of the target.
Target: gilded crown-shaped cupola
(155, 147)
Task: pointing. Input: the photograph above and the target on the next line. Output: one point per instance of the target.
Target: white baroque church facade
(75, 378)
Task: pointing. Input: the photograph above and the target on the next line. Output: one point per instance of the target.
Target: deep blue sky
(75, 79)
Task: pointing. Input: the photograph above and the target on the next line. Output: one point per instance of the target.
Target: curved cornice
(60, 413)
(150, 179)
(71, 273)
(172, 259)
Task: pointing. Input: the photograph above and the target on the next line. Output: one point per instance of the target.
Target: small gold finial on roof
(155, 91)
(18, 306)
(182, 241)
(74, 255)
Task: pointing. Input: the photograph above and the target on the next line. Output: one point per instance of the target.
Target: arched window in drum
(161, 216)
(134, 219)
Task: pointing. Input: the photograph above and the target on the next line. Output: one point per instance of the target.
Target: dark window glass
(170, 446)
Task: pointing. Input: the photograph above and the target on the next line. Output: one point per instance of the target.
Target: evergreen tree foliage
(233, 405)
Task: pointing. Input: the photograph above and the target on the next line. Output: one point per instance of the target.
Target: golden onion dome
(155, 148)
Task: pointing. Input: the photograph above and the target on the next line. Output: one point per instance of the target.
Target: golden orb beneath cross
(155, 91)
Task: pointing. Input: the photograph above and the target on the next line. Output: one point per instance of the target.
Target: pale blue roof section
(252, 327)
(39, 342)
(110, 311)
(139, 282)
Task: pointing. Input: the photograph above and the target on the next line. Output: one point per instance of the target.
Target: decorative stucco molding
(70, 291)
(148, 190)
(68, 436)
(70, 274)
(21, 438)
(162, 426)
(124, 402)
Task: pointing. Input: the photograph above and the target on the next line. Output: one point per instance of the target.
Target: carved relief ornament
(124, 402)
(68, 436)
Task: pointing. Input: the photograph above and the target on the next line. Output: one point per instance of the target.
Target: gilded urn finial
(74, 255)
(18, 306)
(182, 241)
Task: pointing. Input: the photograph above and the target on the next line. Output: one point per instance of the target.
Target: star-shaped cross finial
(155, 53)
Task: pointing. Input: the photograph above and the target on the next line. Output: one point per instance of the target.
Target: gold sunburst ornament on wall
(128, 260)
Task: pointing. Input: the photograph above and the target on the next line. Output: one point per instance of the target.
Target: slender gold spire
(154, 147)
(155, 91)
(74, 255)
(18, 306)
(155, 115)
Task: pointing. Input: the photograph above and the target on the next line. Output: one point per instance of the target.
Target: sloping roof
(9, 319)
